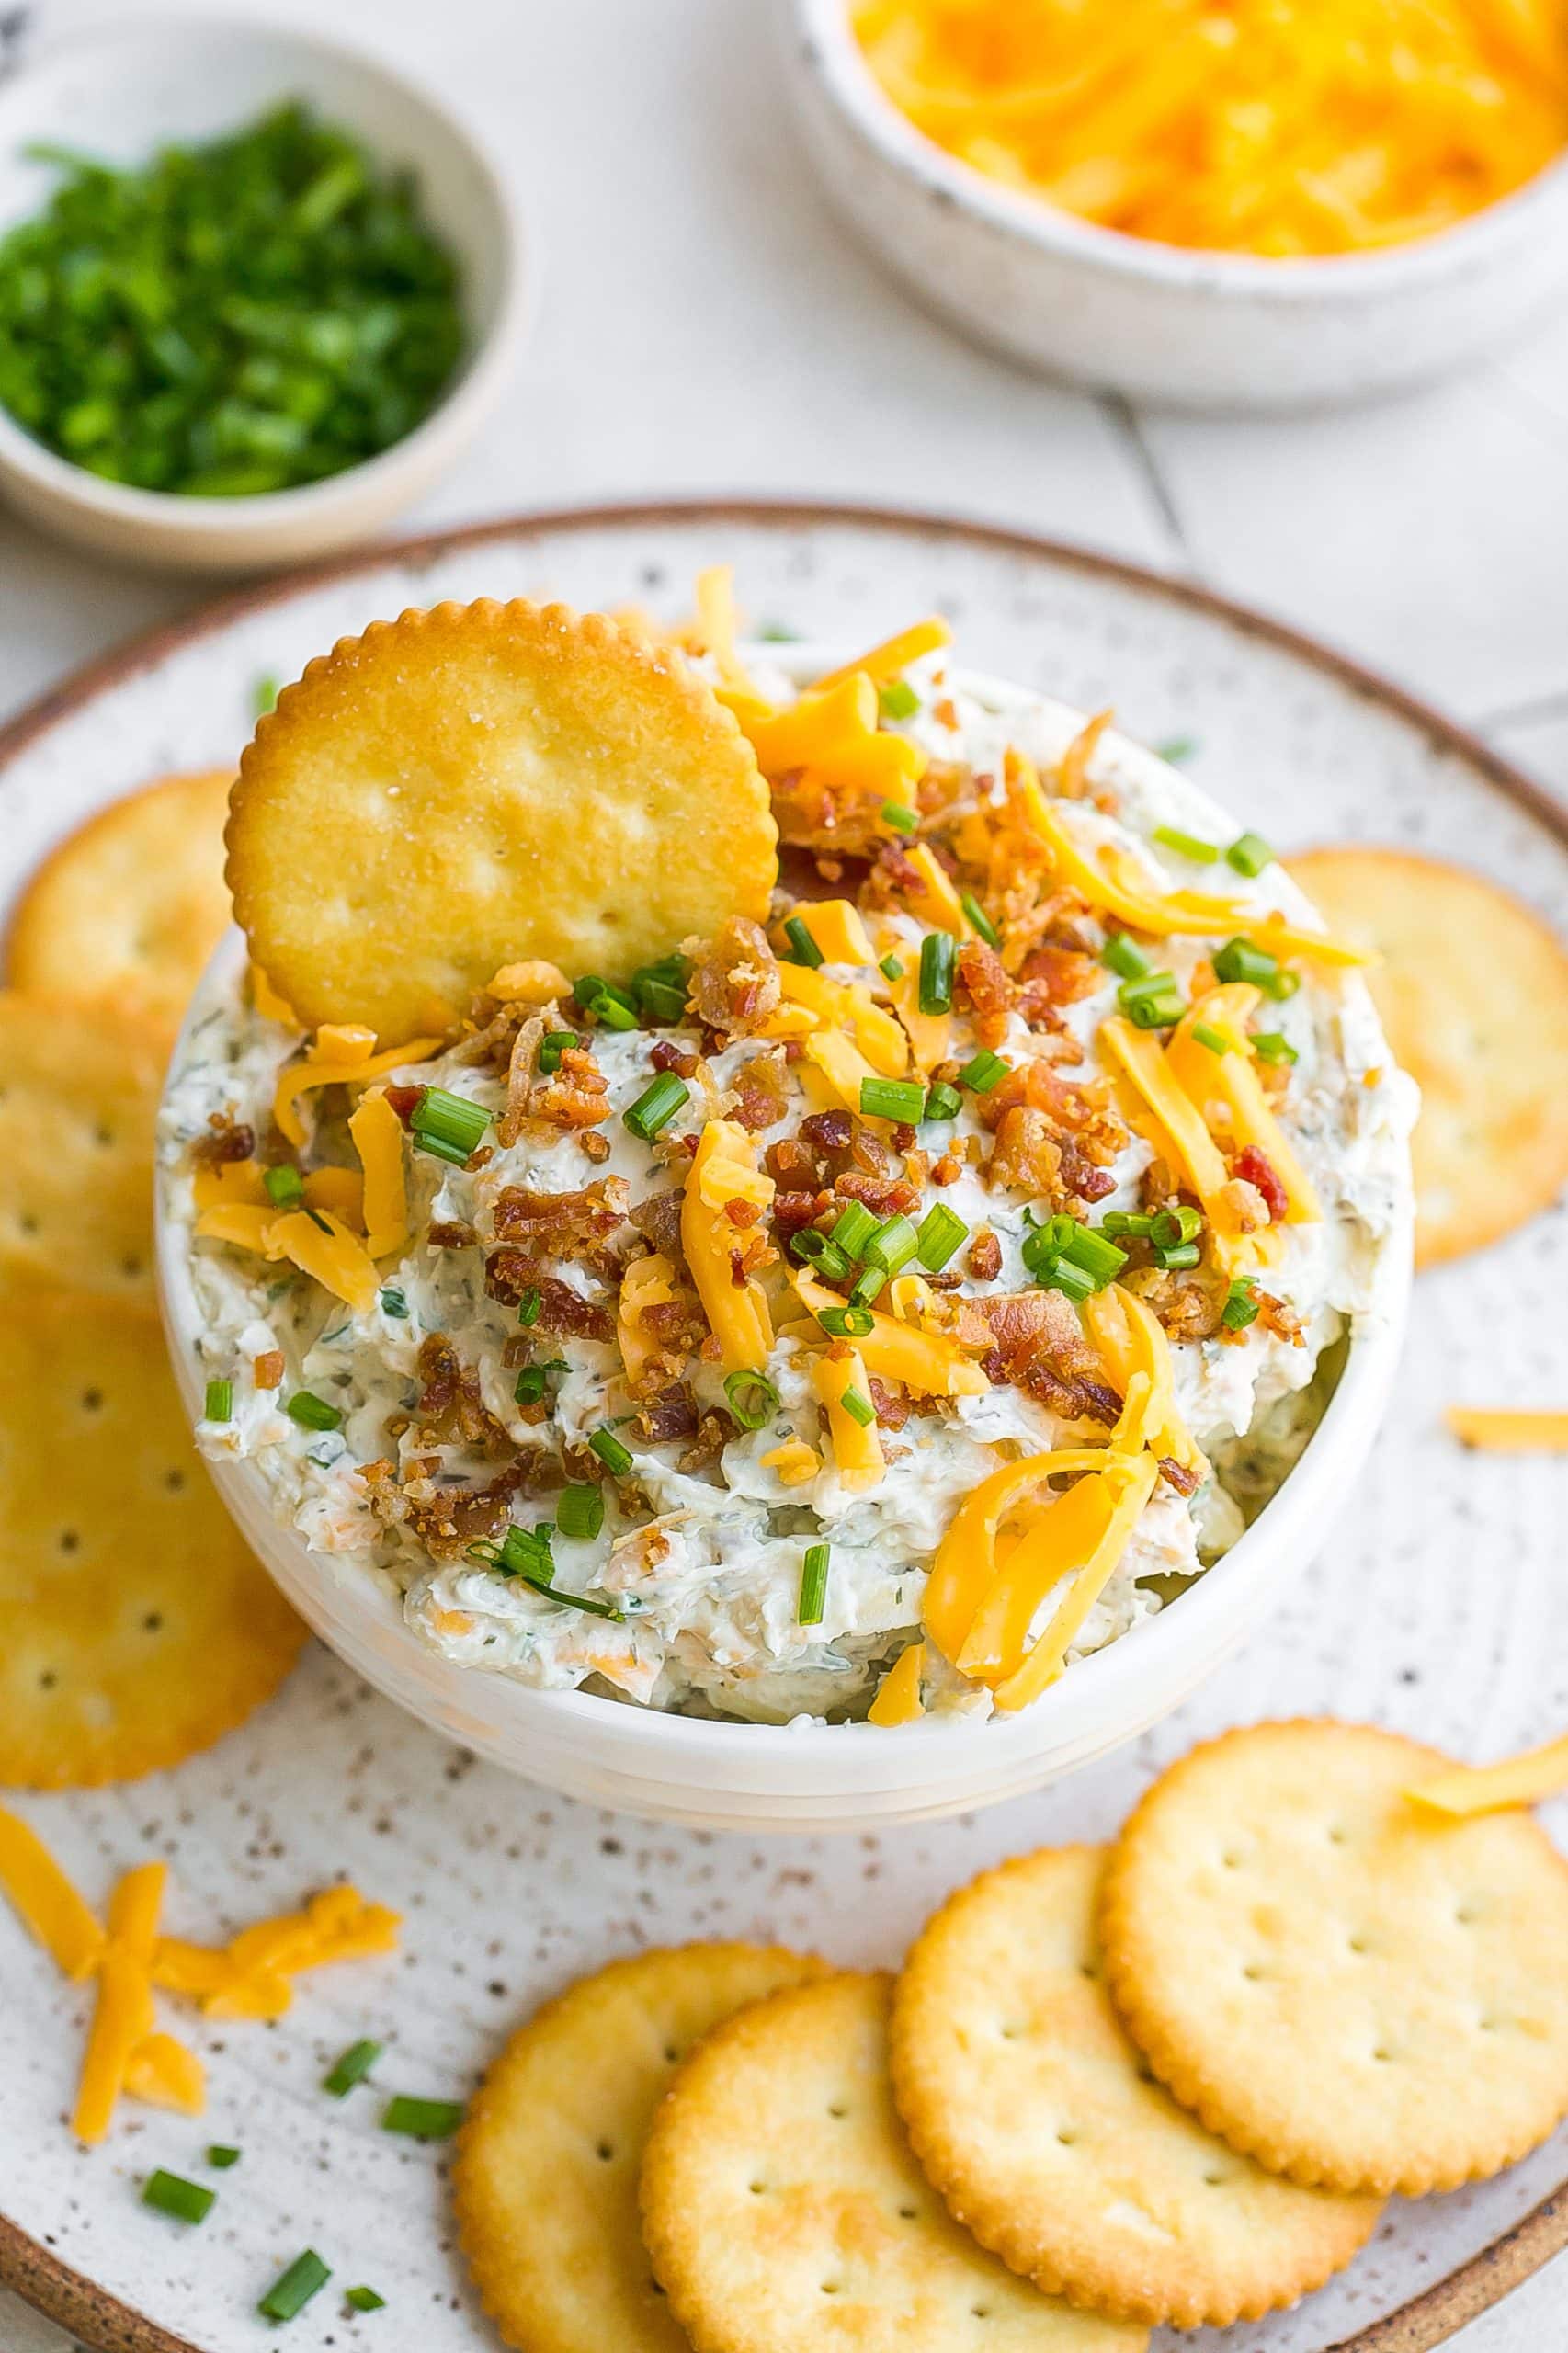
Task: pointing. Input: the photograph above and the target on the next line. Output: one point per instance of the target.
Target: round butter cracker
(1342, 1984)
(480, 784)
(128, 910)
(1472, 990)
(545, 2179)
(782, 2206)
(135, 1626)
(1038, 2123)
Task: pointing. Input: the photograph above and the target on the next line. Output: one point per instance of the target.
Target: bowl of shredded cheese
(1225, 203)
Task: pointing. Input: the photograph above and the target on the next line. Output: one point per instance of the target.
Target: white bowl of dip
(1205, 330)
(808, 1776)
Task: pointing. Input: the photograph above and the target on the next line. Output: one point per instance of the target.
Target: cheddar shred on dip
(1273, 127)
(877, 1311)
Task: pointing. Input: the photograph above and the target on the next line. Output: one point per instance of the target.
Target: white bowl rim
(1287, 280)
(1098, 1690)
(266, 512)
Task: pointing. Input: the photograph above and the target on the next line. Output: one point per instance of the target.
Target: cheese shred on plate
(1282, 127)
(869, 1313)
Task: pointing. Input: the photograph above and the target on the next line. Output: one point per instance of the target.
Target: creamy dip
(693, 1580)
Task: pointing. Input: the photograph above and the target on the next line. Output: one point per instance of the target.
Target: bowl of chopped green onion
(256, 292)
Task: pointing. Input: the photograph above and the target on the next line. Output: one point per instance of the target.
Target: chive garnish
(580, 1511)
(753, 1398)
(530, 1384)
(447, 1125)
(980, 920)
(524, 1553)
(1242, 959)
(1269, 1046)
(1136, 1224)
(890, 968)
(363, 2300)
(898, 699)
(984, 1072)
(900, 817)
(814, 1249)
(893, 1099)
(1241, 1307)
(1249, 854)
(1190, 846)
(940, 1232)
(616, 1458)
(661, 989)
(858, 1407)
(351, 2068)
(943, 1102)
(187, 2201)
(847, 1322)
(423, 2119)
(1062, 1254)
(312, 1413)
(868, 1286)
(292, 2289)
(853, 1228)
(264, 695)
(218, 1406)
(893, 1246)
(528, 1306)
(1205, 1034)
(939, 957)
(1152, 1001)
(1182, 1253)
(803, 949)
(285, 1186)
(394, 1304)
(1176, 749)
(221, 2157)
(1169, 1229)
(551, 1046)
(609, 1006)
(656, 1106)
(814, 1584)
(1120, 956)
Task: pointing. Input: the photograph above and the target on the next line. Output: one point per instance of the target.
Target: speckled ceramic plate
(1441, 1607)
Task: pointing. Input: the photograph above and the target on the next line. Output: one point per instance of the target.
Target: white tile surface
(704, 325)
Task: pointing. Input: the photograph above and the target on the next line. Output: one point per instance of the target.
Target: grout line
(1125, 424)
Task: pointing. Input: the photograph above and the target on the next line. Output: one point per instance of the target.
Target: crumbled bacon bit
(948, 1170)
(792, 1164)
(794, 1211)
(404, 1100)
(451, 1409)
(267, 1370)
(1177, 1475)
(1051, 976)
(986, 1256)
(714, 1432)
(1039, 1343)
(1276, 1317)
(892, 1405)
(592, 1145)
(227, 1138)
(735, 982)
(760, 1094)
(828, 1130)
(991, 991)
(456, 1518)
(1254, 1167)
(570, 1312)
(742, 1213)
(1189, 1306)
(1081, 1179)
(562, 1225)
(946, 713)
(884, 1195)
(671, 1415)
(667, 1055)
(450, 1234)
(658, 1219)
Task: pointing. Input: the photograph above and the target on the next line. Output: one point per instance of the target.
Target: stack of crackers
(1170, 2081)
(137, 1625)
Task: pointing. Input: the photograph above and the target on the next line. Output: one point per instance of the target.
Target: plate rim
(29, 2268)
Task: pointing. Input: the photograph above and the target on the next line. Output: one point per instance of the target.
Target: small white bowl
(806, 1777)
(120, 89)
(1204, 330)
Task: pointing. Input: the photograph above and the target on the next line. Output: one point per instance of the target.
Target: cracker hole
(27, 1223)
(605, 2151)
(1008, 2033)
(1466, 1917)
(1382, 2056)
(92, 1401)
(69, 1540)
(174, 1482)
(909, 2213)
(981, 2312)
(757, 2189)
(1337, 1834)
(47, 1679)
(830, 2287)
(1232, 1861)
(1087, 1969)
(103, 1135)
(1067, 2136)
(1215, 2180)
(1252, 1972)
(1357, 1944)
(153, 1623)
(131, 1266)
(837, 2110)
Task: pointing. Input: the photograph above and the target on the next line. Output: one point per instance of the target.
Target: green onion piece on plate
(943, 1102)
(284, 1184)
(1120, 956)
(847, 1322)
(891, 968)
(1169, 1228)
(893, 1246)
(984, 1072)
(449, 1126)
(1205, 1034)
(221, 2157)
(422, 2119)
(1190, 846)
(187, 2201)
(551, 1046)
(363, 2300)
(1249, 854)
(528, 1306)
(656, 1106)
(803, 949)
(853, 1228)
(868, 1286)
(293, 2291)
(1241, 1307)
(1242, 959)
(901, 817)
(351, 2068)
(819, 1250)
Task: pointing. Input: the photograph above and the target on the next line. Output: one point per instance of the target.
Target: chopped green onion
(423, 2119)
(528, 1306)
(1241, 1307)
(293, 2291)
(803, 949)
(1123, 1224)
(893, 1246)
(660, 989)
(868, 1286)
(1249, 854)
(900, 817)
(1242, 959)
(218, 1403)
(938, 959)
(1284, 984)
(893, 1099)
(616, 1458)
(943, 1102)
(980, 921)
(1269, 1046)
(1205, 1034)
(1185, 1253)
(1120, 956)
(221, 2158)
(1062, 1255)
(351, 2068)
(1062, 1275)
(814, 1584)
(1169, 1228)
(890, 968)
(853, 1228)
(551, 1046)
(753, 1399)
(814, 1249)
(312, 1413)
(446, 1125)
(285, 1186)
(530, 1381)
(777, 633)
(580, 1512)
(264, 695)
(187, 2201)
(984, 1072)
(850, 1323)
(394, 1304)
(940, 1232)
(898, 699)
(1152, 1002)
(524, 1553)
(656, 1106)
(1191, 845)
(858, 1407)
(609, 1004)
(363, 2300)
(1176, 749)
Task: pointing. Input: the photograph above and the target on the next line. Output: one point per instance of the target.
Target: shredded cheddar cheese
(839, 931)
(857, 1449)
(898, 1699)
(929, 1362)
(377, 1133)
(47, 1902)
(896, 652)
(165, 2073)
(1281, 128)
(341, 1054)
(1225, 1091)
(1508, 1430)
(737, 1312)
(1486, 1789)
(123, 2016)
